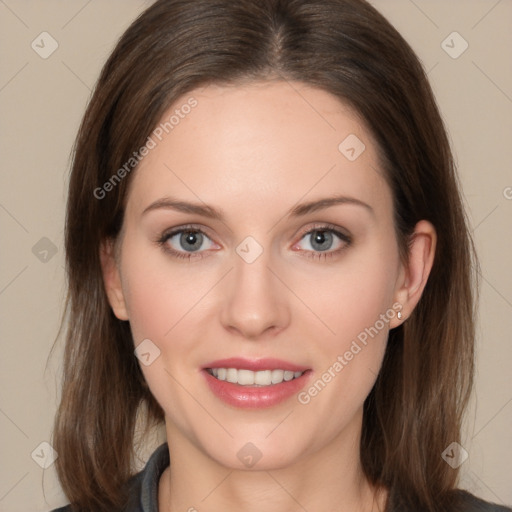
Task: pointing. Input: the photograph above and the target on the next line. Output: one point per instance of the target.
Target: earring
(399, 315)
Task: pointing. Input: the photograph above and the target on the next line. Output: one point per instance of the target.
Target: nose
(255, 301)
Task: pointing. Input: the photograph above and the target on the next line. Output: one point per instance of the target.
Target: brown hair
(348, 49)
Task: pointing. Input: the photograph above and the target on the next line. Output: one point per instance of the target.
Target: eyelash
(316, 255)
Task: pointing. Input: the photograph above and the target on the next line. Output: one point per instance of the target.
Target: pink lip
(254, 397)
(255, 364)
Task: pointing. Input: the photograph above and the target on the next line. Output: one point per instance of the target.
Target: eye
(189, 242)
(324, 241)
(186, 242)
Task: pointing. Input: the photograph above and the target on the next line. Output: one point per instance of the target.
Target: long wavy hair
(344, 47)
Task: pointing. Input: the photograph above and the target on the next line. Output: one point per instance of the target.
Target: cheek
(158, 296)
(344, 299)
(338, 317)
(354, 302)
(161, 304)
(351, 297)
(168, 304)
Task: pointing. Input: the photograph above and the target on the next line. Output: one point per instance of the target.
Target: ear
(112, 279)
(414, 274)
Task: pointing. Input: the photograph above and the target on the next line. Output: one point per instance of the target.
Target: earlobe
(415, 273)
(112, 279)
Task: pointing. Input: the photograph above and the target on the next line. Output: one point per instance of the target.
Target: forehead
(270, 142)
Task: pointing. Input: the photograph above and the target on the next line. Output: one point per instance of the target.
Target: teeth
(246, 378)
(250, 378)
(232, 375)
(288, 375)
(261, 378)
(277, 376)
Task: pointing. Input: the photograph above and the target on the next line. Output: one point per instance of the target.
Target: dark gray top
(144, 489)
(144, 485)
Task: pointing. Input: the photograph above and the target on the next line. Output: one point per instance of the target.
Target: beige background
(42, 101)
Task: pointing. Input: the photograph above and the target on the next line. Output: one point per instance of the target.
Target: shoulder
(469, 503)
(142, 487)
(455, 500)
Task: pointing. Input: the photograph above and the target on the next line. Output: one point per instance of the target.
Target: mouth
(255, 384)
(261, 378)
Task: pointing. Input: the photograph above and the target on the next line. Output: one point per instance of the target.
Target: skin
(254, 151)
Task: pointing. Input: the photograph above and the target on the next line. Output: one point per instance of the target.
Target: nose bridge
(254, 302)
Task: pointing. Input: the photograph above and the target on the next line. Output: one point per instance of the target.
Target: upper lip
(255, 365)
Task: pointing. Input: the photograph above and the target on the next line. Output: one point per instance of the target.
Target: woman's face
(271, 268)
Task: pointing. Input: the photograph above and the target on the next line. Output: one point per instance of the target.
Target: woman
(263, 206)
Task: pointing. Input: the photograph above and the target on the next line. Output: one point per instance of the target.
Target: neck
(325, 480)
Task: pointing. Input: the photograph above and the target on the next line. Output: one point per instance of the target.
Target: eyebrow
(300, 210)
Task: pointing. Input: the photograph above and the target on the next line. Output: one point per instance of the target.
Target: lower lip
(251, 397)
